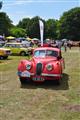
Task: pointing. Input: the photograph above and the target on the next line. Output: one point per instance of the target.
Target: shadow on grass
(5, 59)
(49, 84)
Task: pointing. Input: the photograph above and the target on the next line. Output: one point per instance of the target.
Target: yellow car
(17, 49)
(4, 53)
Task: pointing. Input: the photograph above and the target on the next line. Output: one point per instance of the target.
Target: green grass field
(40, 102)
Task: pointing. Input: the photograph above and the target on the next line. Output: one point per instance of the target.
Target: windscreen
(44, 53)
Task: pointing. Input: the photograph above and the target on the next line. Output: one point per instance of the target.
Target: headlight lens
(28, 66)
(49, 67)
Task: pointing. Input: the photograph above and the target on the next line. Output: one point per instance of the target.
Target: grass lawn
(40, 102)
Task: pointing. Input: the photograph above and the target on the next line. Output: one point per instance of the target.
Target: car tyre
(5, 57)
(1, 57)
(58, 82)
(23, 53)
(23, 81)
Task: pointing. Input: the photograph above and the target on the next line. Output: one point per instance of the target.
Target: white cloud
(43, 1)
(16, 17)
(20, 2)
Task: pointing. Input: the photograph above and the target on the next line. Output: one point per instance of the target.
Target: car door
(15, 49)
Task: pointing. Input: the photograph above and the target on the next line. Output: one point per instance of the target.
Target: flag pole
(41, 31)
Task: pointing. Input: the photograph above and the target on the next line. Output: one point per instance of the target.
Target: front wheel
(5, 57)
(58, 82)
(23, 53)
(1, 57)
(22, 80)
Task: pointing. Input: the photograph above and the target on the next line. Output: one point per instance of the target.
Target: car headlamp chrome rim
(28, 66)
(49, 67)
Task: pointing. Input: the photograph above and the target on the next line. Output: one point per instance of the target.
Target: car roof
(4, 49)
(47, 48)
(14, 43)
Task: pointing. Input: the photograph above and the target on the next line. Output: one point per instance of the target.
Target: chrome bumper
(51, 75)
(43, 74)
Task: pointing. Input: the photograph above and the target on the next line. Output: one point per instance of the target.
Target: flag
(41, 31)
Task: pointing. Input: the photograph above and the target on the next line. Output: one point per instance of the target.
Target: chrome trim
(51, 75)
(45, 74)
(41, 67)
(49, 65)
(19, 73)
(28, 65)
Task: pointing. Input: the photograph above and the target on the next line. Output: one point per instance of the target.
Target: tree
(33, 29)
(18, 32)
(51, 27)
(70, 24)
(24, 23)
(0, 4)
(31, 26)
(5, 23)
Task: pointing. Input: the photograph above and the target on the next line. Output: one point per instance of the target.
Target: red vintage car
(46, 64)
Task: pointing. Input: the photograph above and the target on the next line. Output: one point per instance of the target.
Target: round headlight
(49, 67)
(28, 66)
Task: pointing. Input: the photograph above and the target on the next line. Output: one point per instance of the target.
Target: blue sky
(19, 9)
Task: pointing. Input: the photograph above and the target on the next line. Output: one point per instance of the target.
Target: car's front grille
(39, 68)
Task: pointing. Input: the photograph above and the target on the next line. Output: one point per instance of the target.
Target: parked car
(17, 49)
(2, 42)
(75, 43)
(46, 64)
(4, 53)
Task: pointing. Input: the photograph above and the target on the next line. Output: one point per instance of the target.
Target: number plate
(38, 79)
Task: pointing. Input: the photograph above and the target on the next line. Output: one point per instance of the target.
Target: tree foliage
(18, 32)
(51, 28)
(5, 23)
(67, 27)
(70, 24)
(24, 23)
(33, 28)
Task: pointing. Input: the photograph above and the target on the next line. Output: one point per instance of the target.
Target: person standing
(69, 44)
(65, 46)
